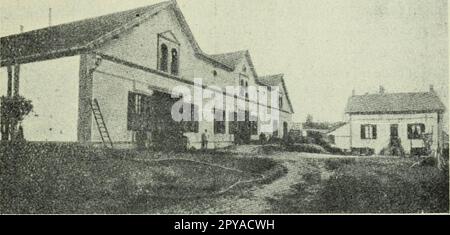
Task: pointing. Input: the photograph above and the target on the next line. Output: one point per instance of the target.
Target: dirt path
(257, 199)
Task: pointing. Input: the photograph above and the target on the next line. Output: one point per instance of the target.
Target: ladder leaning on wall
(103, 130)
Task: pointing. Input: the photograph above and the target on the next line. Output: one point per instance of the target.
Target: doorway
(394, 131)
(285, 129)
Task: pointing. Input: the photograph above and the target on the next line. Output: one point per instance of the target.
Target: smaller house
(375, 121)
(339, 136)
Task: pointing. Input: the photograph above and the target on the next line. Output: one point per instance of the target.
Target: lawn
(66, 178)
(366, 185)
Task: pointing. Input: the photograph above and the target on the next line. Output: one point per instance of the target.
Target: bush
(355, 189)
(270, 148)
(307, 148)
(334, 150)
(334, 164)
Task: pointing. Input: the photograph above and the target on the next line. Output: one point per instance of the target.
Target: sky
(325, 48)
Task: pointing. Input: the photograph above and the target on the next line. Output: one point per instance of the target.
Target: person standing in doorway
(205, 140)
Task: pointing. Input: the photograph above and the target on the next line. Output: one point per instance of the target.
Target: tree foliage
(16, 107)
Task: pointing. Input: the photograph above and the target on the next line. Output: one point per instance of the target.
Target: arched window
(174, 65)
(163, 62)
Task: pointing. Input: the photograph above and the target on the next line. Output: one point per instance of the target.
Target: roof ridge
(91, 18)
(396, 93)
(232, 52)
(272, 75)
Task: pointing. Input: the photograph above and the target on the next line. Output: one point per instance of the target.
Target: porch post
(16, 79)
(9, 91)
(4, 115)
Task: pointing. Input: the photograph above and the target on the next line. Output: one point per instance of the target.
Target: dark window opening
(191, 125)
(368, 132)
(163, 61)
(174, 66)
(253, 126)
(416, 131)
(233, 123)
(219, 122)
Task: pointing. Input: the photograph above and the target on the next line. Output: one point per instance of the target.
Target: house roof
(275, 80)
(336, 127)
(394, 103)
(232, 59)
(68, 39)
(271, 80)
(84, 35)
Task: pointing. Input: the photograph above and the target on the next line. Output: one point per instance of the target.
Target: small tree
(14, 109)
(309, 119)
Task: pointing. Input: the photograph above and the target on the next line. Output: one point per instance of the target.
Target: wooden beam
(9, 91)
(16, 79)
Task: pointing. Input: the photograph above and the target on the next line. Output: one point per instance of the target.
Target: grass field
(59, 178)
(366, 185)
(48, 178)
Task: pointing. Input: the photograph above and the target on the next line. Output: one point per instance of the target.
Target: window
(191, 125)
(254, 126)
(233, 124)
(135, 110)
(415, 131)
(174, 64)
(368, 132)
(163, 61)
(219, 122)
(275, 128)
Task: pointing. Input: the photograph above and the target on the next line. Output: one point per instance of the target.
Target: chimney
(382, 90)
(353, 92)
(50, 17)
(431, 88)
(21, 28)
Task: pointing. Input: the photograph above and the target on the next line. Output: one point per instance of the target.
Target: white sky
(325, 48)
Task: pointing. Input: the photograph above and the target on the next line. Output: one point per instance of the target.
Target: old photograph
(224, 107)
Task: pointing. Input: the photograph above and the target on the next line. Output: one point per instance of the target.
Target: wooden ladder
(103, 130)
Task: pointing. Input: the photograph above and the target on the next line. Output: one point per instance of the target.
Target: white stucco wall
(52, 86)
(341, 137)
(383, 123)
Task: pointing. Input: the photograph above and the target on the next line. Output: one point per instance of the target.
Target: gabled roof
(71, 38)
(231, 59)
(394, 103)
(275, 80)
(271, 80)
(337, 126)
(81, 36)
(86, 35)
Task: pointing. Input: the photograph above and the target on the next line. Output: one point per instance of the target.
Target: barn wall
(113, 80)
